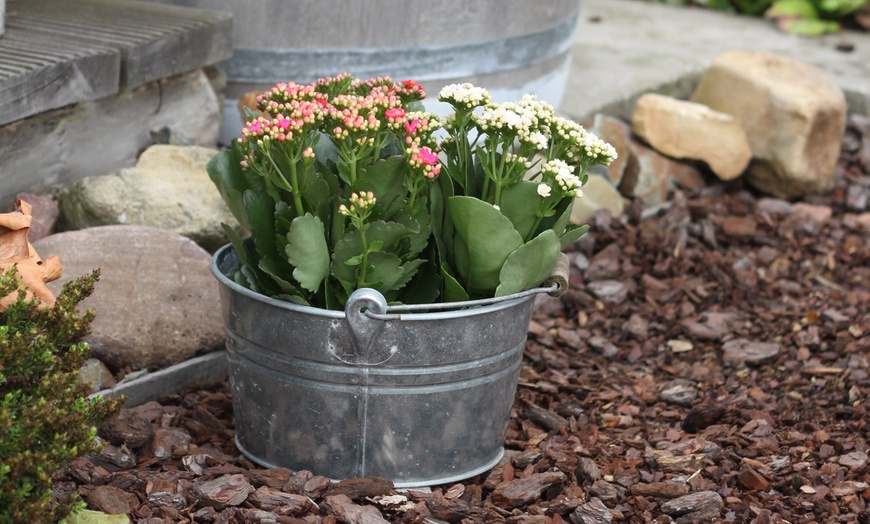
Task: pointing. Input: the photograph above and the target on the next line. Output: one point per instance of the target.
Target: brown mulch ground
(710, 363)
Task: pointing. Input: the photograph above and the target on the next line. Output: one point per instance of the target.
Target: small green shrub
(46, 419)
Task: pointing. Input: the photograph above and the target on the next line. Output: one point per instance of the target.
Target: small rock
(603, 346)
(793, 113)
(857, 198)
(810, 218)
(650, 175)
(860, 222)
(773, 206)
(712, 325)
(679, 391)
(598, 193)
(157, 192)
(637, 326)
(96, 375)
(687, 130)
(749, 352)
(609, 291)
(679, 346)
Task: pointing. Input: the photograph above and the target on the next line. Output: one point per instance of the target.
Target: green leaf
(515, 205)
(571, 234)
(226, 174)
(384, 271)
(792, 9)
(386, 179)
(87, 516)
(260, 210)
(530, 264)
(806, 27)
(307, 251)
(453, 290)
(485, 238)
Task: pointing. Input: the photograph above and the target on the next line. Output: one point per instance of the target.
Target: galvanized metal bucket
(419, 398)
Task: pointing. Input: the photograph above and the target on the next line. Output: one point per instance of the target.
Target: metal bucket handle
(555, 285)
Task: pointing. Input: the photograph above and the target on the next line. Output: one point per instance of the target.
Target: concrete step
(57, 52)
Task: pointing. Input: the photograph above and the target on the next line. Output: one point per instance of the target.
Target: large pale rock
(793, 114)
(168, 188)
(650, 175)
(687, 130)
(598, 193)
(156, 302)
(616, 133)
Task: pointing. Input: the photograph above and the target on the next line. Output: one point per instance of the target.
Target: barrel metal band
(419, 63)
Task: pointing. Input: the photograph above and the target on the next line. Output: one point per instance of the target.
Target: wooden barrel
(510, 47)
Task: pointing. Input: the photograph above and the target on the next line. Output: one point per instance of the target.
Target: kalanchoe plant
(341, 185)
(501, 218)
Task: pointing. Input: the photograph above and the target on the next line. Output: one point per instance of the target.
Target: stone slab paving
(623, 48)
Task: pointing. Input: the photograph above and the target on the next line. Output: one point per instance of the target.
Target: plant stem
(361, 276)
(297, 195)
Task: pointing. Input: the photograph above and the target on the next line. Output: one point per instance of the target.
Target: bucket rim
(227, 250)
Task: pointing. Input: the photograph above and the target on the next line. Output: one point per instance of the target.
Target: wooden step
(57, 52)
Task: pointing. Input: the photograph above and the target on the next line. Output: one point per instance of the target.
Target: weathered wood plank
(38, 74)
(205, 370)
(155, 40)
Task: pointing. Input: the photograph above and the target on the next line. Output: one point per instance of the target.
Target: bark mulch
(708, 364)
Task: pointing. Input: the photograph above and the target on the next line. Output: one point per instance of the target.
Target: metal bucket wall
(423, 400)
(511, 47)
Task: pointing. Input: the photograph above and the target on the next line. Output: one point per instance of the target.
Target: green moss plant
(46, 418)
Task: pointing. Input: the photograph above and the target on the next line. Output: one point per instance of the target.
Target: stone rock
(774, 206)
(860, 222)
(616, 133)
(793, 114)
(749, 352)
(96, 375)
(609, 291)
(44, 211)
(649, 175)
(168, 188)
(687, 130)
(598, 193)
(156, 301)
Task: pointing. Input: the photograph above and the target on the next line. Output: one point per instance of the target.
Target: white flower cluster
(512, 158)
(563, 174)
(515, 119)
(567, 130)
(465, 95)
(598, 150)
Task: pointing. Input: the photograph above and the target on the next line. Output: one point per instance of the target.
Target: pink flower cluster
(423, 160)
